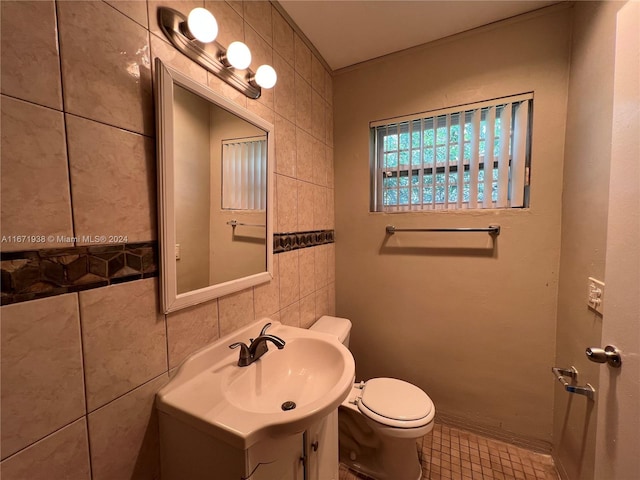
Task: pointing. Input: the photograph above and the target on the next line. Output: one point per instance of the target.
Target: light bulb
(202, 25)
(266, 76)
(238, 55)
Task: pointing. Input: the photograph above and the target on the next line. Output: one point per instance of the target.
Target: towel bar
(491, 230)
(235, 223)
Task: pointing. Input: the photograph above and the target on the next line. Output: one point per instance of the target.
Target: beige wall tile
(237, 6)
(305, 206)
(287, 203)
(320, 213)
(318, 79)
(322, 266)
(235, 311)
(190, 329)
(283, 37)
(303, 104)
(304, 156)
(105, 66)
(318, 116)
(285, 89)
(226, 90)
(266, 297)
(42, 384)
(307, 259)
(291, 315)
(124, 435)
(322, 302)
(34, 176)
(134, 9)
(331, 262)
(113, 181)
(331, 298)
(262, 110)
(319, 159)
(303, 58)
(328, 88)
(230, 23)
(308, 310)
(289, 278)
(172, 57)
(329, 166)
(64, 455)
(261, 51)
(30, 65)
(285, 138)
(328, 125)
(124, 339)
(261, 54)
(257, 13)
(331, 210)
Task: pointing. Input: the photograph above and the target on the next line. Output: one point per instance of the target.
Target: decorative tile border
(285, 242)
(35, 274)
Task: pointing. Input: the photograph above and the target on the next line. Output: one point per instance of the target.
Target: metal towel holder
(491, 230)
(588, 391)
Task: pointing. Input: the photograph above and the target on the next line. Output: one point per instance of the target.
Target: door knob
(609, 354)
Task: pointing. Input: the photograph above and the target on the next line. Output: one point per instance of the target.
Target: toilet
(381, 420)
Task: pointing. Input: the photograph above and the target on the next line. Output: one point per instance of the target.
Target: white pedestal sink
(242, 407)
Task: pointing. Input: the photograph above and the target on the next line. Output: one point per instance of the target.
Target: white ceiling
(346, 32)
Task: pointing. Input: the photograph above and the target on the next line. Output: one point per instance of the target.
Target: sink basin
(281, 394)
(302, 373)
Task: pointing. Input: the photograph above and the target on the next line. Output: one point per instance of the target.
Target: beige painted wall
(584, 227)
(471, 325)
(192, 191)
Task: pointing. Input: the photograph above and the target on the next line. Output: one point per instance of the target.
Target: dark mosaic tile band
(36, 274)
(33, 274)
(285, 242)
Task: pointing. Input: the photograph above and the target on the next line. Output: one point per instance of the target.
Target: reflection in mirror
(220, 172)
(214, 177)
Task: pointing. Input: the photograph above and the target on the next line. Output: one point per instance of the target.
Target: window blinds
(244, 174)
(472, 156)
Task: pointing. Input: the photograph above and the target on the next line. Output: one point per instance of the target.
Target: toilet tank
(339, 327)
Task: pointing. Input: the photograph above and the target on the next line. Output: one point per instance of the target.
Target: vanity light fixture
(190, 35)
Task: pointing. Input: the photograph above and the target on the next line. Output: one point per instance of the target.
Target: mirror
(215, 163)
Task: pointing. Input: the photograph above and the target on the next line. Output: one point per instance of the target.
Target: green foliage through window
(439, 161)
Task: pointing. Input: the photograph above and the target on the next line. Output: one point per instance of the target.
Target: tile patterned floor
(450, 453)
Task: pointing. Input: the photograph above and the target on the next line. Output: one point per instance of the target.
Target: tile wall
(79, 370)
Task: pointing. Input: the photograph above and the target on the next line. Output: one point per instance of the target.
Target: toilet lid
(395, 403)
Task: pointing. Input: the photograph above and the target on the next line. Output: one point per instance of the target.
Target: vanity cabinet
(321, 447)
(189, 453)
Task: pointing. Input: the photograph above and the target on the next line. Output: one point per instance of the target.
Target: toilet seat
(395, 403)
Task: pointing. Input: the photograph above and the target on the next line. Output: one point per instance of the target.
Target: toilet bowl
(381, 420)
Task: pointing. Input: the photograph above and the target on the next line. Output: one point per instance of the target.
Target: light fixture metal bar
(170, 21)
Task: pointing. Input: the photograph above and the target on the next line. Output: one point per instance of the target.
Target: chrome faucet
(257, 347)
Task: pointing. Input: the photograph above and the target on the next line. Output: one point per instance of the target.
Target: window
(244, 174)
(471, 156)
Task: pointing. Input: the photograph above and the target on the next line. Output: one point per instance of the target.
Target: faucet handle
(239, 344)
(245, 356)
(264, 329)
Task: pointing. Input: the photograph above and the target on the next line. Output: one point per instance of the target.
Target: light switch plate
(177, 251)
(595, 294)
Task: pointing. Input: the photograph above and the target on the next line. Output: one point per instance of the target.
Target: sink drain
(288, 405)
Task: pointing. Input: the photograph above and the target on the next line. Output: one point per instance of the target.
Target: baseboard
(498, 434)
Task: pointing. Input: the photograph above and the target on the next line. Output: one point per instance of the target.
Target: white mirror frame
(166, 78)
